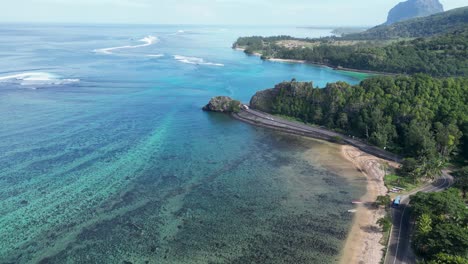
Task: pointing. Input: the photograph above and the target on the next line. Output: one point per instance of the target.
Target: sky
(225, 12)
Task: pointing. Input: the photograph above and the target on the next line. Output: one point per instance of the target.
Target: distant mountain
(441, 23)
(413, 9)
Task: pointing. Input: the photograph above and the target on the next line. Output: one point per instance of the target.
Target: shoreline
(363, 243)
(287, 60)
(318, 64)
(258, 118)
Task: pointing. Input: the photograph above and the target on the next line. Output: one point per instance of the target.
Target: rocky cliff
(412, 9)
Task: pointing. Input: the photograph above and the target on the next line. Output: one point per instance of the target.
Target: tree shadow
(371, 229)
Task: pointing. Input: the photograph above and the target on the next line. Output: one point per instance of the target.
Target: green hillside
(445, 55)
(418, 116)
(456, 19)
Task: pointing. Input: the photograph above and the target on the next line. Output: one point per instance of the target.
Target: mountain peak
(412, 9)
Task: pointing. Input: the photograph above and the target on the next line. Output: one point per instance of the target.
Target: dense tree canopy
(441, 231)
(461, 178)
(445, 55)
(428, 26)
(418, 116)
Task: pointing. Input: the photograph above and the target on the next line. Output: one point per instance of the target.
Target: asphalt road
(399, 250)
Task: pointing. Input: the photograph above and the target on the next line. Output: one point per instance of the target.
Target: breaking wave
(196, 61)
(155, 55)
(35, 79)
(148, 41)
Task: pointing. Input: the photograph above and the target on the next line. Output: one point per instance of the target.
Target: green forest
(441, 227)
(441, 23)
(441, 56)
(421, 117)
(419, 112)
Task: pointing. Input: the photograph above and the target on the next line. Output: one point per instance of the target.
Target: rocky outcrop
(412, 9)
(263, 100)
(223, 104)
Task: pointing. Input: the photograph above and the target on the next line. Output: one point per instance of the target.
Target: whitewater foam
(36, 79)
(196, 61)
(148, 41)
(178, 32)
(155, 55)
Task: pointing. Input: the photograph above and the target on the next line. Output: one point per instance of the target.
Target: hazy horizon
(204, 12)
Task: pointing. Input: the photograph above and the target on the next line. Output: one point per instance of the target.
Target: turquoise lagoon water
(106, 156)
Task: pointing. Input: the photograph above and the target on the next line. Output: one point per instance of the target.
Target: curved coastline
(341, 69)
(362, 244)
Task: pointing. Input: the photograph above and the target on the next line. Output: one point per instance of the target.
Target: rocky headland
(223, 104)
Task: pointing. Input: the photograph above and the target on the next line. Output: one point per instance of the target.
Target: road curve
(399, 246)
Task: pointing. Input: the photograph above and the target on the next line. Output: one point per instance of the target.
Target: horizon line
(182, 24)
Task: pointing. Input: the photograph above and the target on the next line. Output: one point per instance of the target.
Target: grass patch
(393, 180)
(294, 119)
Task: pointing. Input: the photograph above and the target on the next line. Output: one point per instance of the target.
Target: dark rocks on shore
(223, 104)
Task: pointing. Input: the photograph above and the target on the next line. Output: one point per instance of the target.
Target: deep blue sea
(106, 156)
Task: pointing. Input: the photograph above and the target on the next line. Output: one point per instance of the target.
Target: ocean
(106, 156)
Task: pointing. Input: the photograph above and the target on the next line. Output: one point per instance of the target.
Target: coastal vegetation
(461, 177)
(393, 180)
(428, 26)
(342, 31)
(223, 104)
(434, 45)
(419, 111)
(385, 223)
(445, 55)
(421, 117)
(441, 233)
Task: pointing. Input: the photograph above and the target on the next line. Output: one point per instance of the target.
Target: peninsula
(434, 45)
(376, 123)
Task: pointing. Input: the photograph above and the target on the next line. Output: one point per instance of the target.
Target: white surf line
(404, 210)
(195, 61)
(155, 55)
(36, 78)
(148, 41)
(42, 76)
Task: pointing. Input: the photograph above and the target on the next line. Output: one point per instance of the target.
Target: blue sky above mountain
(264, 12)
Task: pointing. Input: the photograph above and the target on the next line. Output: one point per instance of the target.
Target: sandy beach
(318, 64)
(287, 60)
(363, 242)
(273, 59)
(255, 53)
